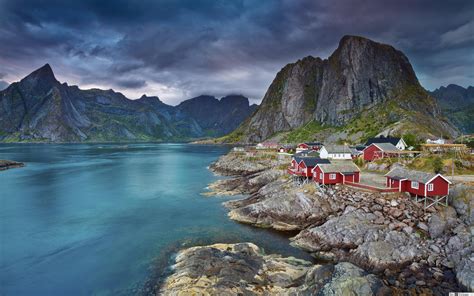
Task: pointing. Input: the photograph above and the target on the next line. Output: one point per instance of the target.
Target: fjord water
(84, 219)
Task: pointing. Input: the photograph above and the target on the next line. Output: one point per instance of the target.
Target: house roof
(306, 153)
(311, 161)
(312, 143)
(400, 173)
(337, 149)
(386, 146)
(339, 167)
(393, 141)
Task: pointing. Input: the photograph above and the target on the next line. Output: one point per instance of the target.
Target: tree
(437, 165)
(410, 139)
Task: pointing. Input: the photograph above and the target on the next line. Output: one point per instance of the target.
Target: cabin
(379, 150)
(303, 166)
(335, 152)
(417, 183)
(336, 172)
(309, 146)
(397, 142)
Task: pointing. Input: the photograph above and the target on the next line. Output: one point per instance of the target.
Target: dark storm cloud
(178, 49)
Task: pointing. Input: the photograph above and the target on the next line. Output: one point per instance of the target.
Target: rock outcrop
(243, 269)
(10, 164)
(362, 83)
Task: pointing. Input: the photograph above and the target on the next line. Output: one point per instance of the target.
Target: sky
(181, 49)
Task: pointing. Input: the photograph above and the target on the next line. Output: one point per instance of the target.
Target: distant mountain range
(457, 103)
(363, 89)
(39, 108)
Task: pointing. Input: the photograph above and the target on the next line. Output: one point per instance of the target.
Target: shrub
(437, 165)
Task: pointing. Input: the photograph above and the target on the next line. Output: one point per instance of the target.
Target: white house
(335, 152)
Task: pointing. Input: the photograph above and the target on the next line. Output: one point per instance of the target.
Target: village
(380, 165)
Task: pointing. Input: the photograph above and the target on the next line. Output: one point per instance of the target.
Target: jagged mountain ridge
(457, 103)
(40, 108)
(360, 80)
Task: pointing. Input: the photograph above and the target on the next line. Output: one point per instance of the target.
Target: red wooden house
(418, 183)
(336, 172)
(303, 166)
(310, 146)
(380, 150)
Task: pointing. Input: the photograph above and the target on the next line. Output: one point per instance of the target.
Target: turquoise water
(101, 219)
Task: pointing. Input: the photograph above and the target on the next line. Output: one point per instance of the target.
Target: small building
(286, 148)
(436, 141)
(307, 153)
(379, 150)
(397, 142)
(303, 166)
(238, 149)
(418, 183)
(309, 146)
(336, 172)
(267, 145)
(335, 152)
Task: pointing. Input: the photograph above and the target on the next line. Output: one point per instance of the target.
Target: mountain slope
(39, 108)
(457, 103)
(362, 79)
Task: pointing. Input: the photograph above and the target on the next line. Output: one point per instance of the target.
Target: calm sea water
(100, 219)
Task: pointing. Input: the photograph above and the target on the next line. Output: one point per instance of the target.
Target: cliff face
(39, 108)
(359, 76)
(457, 103)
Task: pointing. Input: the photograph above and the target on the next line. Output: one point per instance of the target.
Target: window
(414, 185)
(332, 176)
(430, 187)
(321, 176)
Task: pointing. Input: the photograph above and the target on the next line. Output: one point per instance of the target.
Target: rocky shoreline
(10, 164)
(389, 235)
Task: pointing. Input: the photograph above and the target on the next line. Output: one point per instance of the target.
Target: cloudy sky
(180, 49)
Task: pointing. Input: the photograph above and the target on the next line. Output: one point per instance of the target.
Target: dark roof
(311, 161)
(400, 173)
(390, 140)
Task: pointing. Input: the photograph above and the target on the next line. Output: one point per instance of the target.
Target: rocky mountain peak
(40, 80)
(359, 76)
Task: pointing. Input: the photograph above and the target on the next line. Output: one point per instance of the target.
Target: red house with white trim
(336, 172)
(418, 183)
(309, 146)
(303, 166)
(379, 150)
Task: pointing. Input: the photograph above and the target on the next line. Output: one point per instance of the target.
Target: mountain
(40, 108)
(457, 103)
(364, 88)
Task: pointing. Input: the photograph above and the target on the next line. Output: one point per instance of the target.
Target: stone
(442, 221)
(423, 226)
(393, 203)
(407, 229)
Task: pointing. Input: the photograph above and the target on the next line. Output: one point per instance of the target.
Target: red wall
(335, 181)
(441, 187)
(316, 173)
(369, 152)
(395, 184)
(303, 146)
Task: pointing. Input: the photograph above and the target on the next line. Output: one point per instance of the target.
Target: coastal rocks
(441, 222)
(462, 199)
(282, 208)
(243, 269)
(235, 163)
(392, 249)
(10, 164)
(342, 279)
(345, 232)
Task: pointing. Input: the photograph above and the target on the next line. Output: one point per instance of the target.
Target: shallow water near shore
(85, 219)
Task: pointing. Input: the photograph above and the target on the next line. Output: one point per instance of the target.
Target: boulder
(441, 222)
(462, 199)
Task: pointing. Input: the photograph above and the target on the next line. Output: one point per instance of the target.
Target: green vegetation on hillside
(304, 133)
